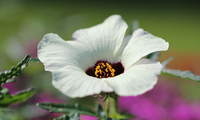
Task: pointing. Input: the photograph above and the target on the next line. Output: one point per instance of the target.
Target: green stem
(115, 102)
(107, 106)
(113, 109)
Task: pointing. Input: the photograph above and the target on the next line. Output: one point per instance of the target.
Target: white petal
(56, 53)
(139, 45)
(103, 40)
(73, 82)
(136, 80)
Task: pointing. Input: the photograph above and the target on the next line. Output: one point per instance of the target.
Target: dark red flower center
(104, 69)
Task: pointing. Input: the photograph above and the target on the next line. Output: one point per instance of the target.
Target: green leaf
(74, 116)
(5, 114)
(100, 111)
(153, 56)
(164, 63)
(6, 99)
(9, 75)
(179, 73)
(67, 108)
(182, 74)
(64, 117)
(134, 25)
(35, 60)
(118, 116)
(123, 116)
(111, 119)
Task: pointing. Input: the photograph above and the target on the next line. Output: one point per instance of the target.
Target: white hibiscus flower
(99, 59)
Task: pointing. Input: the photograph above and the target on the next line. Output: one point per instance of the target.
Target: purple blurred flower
(46, 97)
(12, 87)
(31, 48)
(87, 117)
(185, 111)
(161, 103)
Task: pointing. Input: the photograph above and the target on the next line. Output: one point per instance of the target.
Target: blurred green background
(23, 23)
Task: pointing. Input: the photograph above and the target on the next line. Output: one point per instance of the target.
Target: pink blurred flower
(185, 111)
(31, 48)
(46, 97)
(163, 102)
(12, 87)
(87, 117)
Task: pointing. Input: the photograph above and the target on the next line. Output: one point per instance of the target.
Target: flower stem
(107, 106)
(115, 102)
(113, 109)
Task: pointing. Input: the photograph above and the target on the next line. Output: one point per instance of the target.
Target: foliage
(164, 63)
(99, 111)
(153, 56)
(64, 117)
(35, 60)
(134, 26)
(7, 76)
(4, 113)
(72, 112)
(182, 74)
(67, 108)
(6, 99)
(178, 73)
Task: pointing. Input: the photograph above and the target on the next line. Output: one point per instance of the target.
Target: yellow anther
(112, 74)
(104, 70)
(97, 67)
(113, 70)
(100, 71)
(107, 64)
